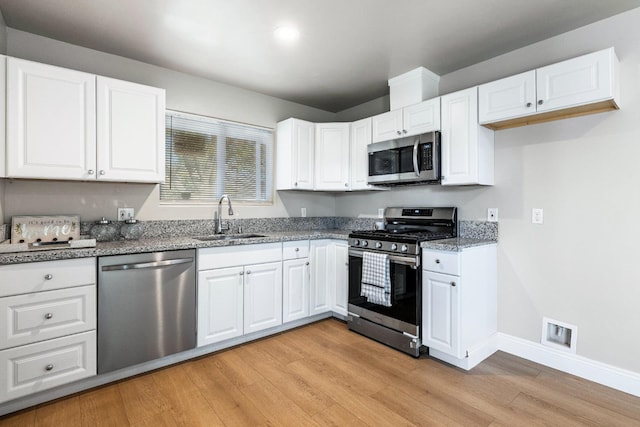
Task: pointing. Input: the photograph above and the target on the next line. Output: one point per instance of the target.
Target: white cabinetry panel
(332, 156)
(220, 302)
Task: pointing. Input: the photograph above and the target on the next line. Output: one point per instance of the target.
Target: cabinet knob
(102, 172)
(346, 184)
(437, 261)
(242, 273)
(49, 367)
(540, 102)
(297, 249)
(48, 276)
(529, 104)
(90, 171)
(48, 316)
(442, 178)
(399, 133)
(295, 184)
(404, 131)
(248, 271)
(453, 283)
(306, 263)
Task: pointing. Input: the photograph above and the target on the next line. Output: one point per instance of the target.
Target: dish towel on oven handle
(376, 284)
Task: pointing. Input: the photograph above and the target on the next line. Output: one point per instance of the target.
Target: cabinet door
(295, 289)
(220, 299)
(577, 81)
(467, 148)
(341, 291)
(507, 98)
(51, 122)
(131, 131)
(262, 296)
(332, 156)
(3, 114)
(386, 126)
(319, 298)
(303, 154)
(440, 313)
(422, 117)
(360, 139)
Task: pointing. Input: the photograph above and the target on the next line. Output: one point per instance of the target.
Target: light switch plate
(303, 212)
(492, 214)
(125, 213)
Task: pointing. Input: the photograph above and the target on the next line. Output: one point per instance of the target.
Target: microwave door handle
(415, 156)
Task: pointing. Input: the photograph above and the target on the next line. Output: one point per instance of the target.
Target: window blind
(206, 158)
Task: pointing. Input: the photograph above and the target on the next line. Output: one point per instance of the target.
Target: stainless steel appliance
(397, 325)
(409, 160)
(146, 307)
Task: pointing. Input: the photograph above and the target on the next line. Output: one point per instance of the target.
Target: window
(206, 158)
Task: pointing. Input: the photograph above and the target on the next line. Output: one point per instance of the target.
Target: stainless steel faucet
(218, 218)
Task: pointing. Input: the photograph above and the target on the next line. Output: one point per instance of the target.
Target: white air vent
(559, 335)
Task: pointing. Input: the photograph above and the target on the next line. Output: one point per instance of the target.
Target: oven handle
(415, 156)
(411, 261)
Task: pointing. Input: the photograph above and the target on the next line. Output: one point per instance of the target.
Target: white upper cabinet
(53, 131)
(332, 156)
(130, 126)
(583, 85)
(51, 122)
(295, 155)
(412, 120)
(3, 94)
(467, 148)
(360, 139)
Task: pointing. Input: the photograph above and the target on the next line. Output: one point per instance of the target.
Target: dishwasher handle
(141, 265)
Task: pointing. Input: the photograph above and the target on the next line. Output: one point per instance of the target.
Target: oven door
(405, 312)
(411, 159)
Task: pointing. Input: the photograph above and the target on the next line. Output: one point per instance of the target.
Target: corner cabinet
(467, 149)
(459, 304)
(584, 85)
(295, 155)
(71, 125)
(332, 156)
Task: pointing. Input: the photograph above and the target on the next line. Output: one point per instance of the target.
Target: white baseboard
(601, 373)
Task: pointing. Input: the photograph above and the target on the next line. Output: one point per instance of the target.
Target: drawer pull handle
(248, 271)
(49, 367)
(307, 263)
(48, 316)
(48, 276)
(437, 261)
(453, 283)
(297, 249)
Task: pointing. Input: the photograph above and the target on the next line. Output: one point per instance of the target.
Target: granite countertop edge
(457, 244)
(125, 247)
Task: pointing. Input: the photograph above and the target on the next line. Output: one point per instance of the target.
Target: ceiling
(347, 49)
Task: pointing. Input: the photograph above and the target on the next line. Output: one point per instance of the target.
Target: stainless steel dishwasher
(146, 307)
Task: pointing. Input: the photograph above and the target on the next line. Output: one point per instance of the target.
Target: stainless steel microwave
(408, 160)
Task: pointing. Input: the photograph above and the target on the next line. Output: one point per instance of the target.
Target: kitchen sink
(228, 237)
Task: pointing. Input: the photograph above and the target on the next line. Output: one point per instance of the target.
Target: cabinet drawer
(45, 276)
(232, 256)
(441, 262)
(295, 250)
(45, 315)
(31, 368)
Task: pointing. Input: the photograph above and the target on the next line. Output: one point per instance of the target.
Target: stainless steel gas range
(385, 278)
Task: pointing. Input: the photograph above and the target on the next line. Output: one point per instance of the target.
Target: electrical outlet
(303, 212)
(381, 213)
(125, 213)
(537, 216)
(492, 214)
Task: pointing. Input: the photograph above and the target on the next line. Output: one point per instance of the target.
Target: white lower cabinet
(341, 277)
(320, 259)
(459, 305)
(242, 294)
(295, 280)
(48, 336)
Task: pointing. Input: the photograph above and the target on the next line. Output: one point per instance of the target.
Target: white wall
(184, 93)
(581, 266)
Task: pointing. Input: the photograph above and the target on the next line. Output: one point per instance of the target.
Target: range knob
(378, 245)
(364, 243)
(356, 242)
(404, 248)
(394, 247)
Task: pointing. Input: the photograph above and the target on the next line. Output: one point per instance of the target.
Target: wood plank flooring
(324, 375)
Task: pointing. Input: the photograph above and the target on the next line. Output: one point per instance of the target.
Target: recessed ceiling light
(287, 34)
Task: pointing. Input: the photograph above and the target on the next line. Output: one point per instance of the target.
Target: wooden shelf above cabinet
(565, 113)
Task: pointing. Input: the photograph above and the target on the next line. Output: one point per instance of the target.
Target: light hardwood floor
(323, 375)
